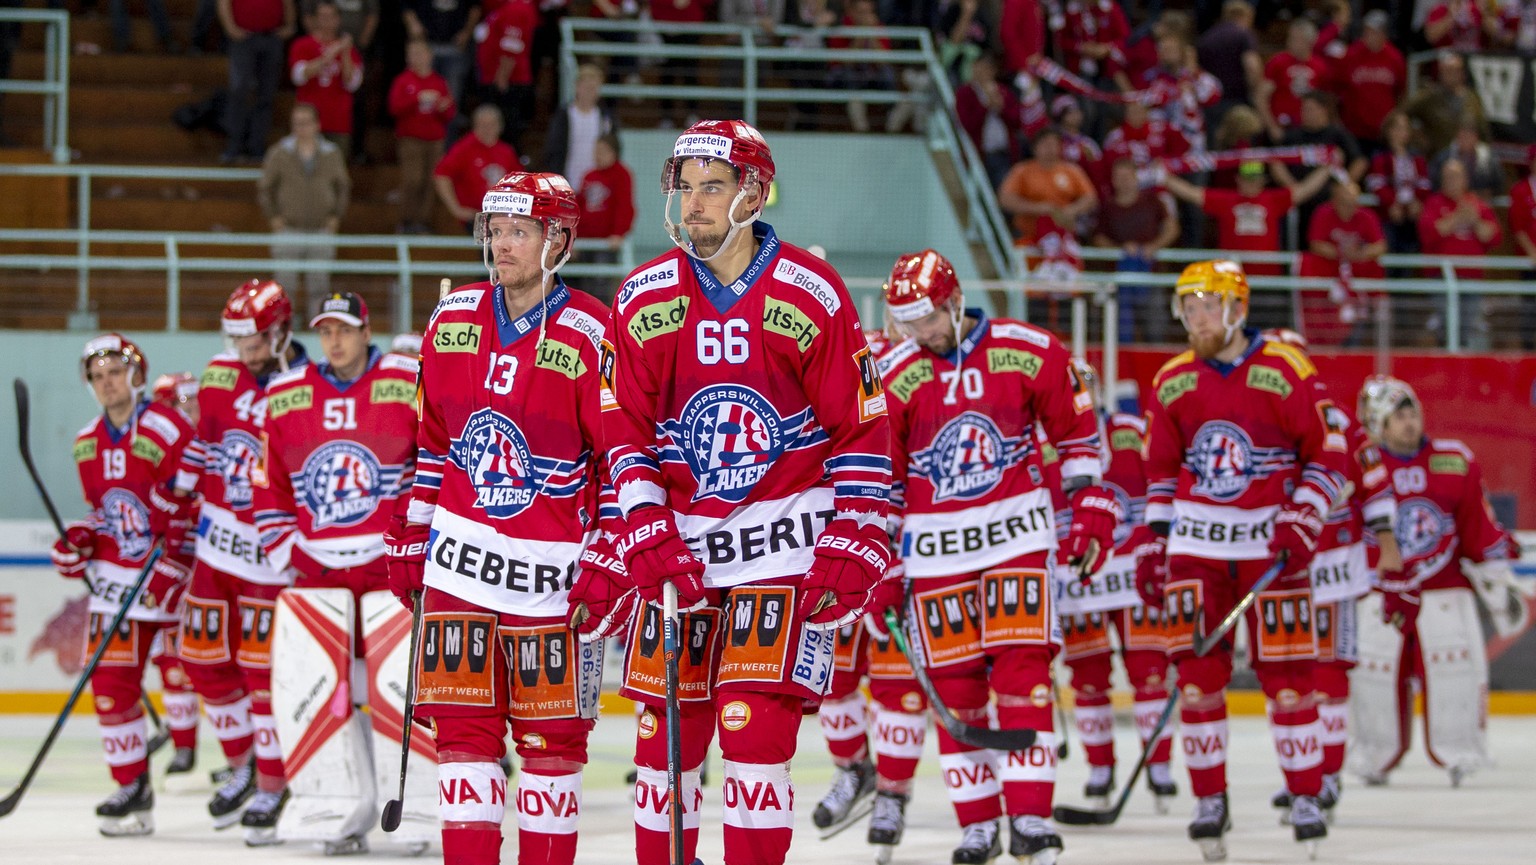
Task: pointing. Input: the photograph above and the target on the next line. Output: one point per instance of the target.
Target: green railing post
(749, 76)
(404, 287)
(82, 318)
(172, 284)
(1452, 307)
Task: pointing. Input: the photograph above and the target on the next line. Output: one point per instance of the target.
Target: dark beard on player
(705, 242)
(1207, 347)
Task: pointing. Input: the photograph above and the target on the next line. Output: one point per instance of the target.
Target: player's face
(1203, 313)
(707, 187)
(345, 345)
(936, 330)
(517, 243)
(108, 377)
(255, 351)
(1403, 429)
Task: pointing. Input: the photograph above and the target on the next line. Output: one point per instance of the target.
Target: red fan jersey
(752, 409)
(1442, 515)
(963, 446)
(118, 468)
(509, 36)
(329, 90)
(508, 438)
(1227, 444)
(232, 409)
(336, 458)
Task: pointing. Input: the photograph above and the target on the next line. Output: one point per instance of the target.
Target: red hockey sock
(844, 723)
(181, 717)
(1028, 776)
(899, 738)
(1203, 735)
(1298, 743)
(1096, 728)
(472, 800)
(548, 809)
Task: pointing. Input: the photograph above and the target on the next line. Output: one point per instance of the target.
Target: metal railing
(54, 85)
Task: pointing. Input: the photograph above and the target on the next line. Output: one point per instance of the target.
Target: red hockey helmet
(175, 389)
(258, 306)
(545, 197)
(734, 141)
(115, 346)
(920, 283)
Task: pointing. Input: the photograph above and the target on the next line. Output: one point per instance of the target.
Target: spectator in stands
(623, 67)
(1517, 29)
(422, 108)
(1091, 35)
(1439, 107)
(1370, 81)
(1399, 178)
(1076, 147)
(1248, 218)
(576, 127)
(447, 26)
(1142, 49)
(862, 75)
(1318, 126)
(989, 113)
(812, 18)
(1456, 222)
(472, 164)
(607, 199)
(1288, 76)
(326, 69)
(1140, 223)
(121, 28)
(1522, 227)
(964, 31)
(1333, 34)
(1485, 174)
(203, 19)
(304, 191)
(1143, 139)
(1344, 242)
(679, 70)
(1460, 25)
(1181, 91)
(256, 30)
(1230, 52)
(1023, 37)
(504, 64)
(1046, 185)
(360, 20)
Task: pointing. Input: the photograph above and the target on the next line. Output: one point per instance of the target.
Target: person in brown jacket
(303, 191)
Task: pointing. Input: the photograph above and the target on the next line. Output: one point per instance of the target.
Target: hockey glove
(166, 509)
(849, 561)
(654, 554)
(604, 597)
(888, 594)
(1090, 540)
(167, 583)
(405, 554)
(1297, 529)
(1400, 609)
(72, 552)
(1151, 567)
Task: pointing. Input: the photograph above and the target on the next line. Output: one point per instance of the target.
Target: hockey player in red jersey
(227, 613)
(749, 451)
(1423, 622)
(1243, 464)
(978, 533)
(122, 456)
(506, 498)
(1107, 603)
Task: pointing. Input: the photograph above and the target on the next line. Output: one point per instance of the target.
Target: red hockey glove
(1151, 568)
(850, 560)
(167, 583)
(654, 554)
(166, 508)
(405, 554)
(604, 597)
(1400, 609)
(1297, 528)
(72, 552)
(1090, 540)
(888, 594)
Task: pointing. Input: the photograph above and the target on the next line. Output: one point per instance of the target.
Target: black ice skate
(1101, 780)
(260, 818)
(1210, 825)
(229, 800)
(1281, 802)
(128, 812)
(980, 844)
(1307, 823)
(1032, 840)
(1333, 791)
(887, 823)
(351, 846)
(180, 773)
(1160, 782)
(847, 800)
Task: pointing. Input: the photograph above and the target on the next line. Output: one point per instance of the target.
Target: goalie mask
(734, 142)
(1380, 396)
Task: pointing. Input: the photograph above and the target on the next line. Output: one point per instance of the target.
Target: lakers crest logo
(127, 522)
(966, 459)
(495, 455)
(1222, 460)
(730, 436)
(1421, 525)
(340, 484)
(239, 455)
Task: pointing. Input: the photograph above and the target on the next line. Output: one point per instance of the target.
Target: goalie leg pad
(323, 742)
(386, 653)
(1380, 705)
(1455, 667)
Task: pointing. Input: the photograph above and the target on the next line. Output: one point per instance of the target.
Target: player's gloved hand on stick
(166, 584)
(72, 552)
(653, 552)
(1090, 540)
(850, 560)
(888, 594)
(1400, 609)
(405, 554)
(604, 596)
(1297, 528)
(1151, 567)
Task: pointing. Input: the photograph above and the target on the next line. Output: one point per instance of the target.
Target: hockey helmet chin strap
(685, 243)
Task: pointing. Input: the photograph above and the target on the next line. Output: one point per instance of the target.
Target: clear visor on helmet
(126, 358)
(253, 346)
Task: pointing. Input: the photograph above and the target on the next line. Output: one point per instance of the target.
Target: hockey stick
(1016, 739)
(9, 803)
(670, 650)
(389, 821)
(24, 444)
(1203, 641)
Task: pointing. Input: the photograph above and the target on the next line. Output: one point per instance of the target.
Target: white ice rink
(1417, 820)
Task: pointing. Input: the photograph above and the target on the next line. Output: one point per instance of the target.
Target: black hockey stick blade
(1070, 816)
(1203, 641)
(394, 809)
(1015, 739)
(671, 649)
(390, 821)
(24, 444)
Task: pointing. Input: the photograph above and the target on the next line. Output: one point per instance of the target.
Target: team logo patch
(1421, 525)
(735, 715)
(965, 460)
(127, 522)
(495, 455)
(340, 484)
(646, 725)
(1222, 460)
(239, 458)
(731, 437)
